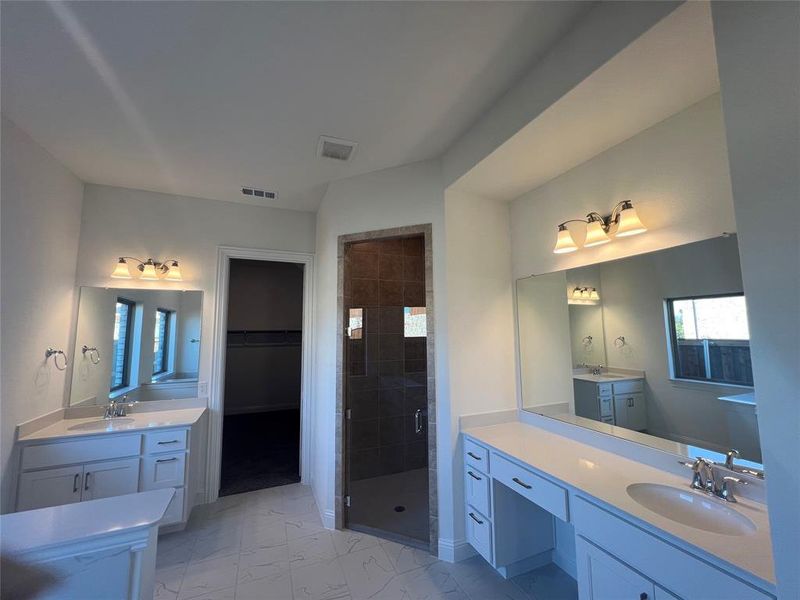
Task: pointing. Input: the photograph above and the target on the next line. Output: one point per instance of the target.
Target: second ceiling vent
(336, 148)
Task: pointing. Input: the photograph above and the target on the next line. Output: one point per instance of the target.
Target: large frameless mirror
(654, 348)
(143, 344)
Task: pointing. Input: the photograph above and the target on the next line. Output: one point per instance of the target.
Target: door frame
(217, 384)
(340, 476)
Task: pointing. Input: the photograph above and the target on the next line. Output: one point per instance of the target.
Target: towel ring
(94, 354)
(587, 341)
(620, 342)
(51, 352)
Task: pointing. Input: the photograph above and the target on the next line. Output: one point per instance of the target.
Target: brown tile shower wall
(386, 371)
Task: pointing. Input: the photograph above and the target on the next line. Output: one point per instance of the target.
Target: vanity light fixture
(151, 270)
(598, 228)
(583, 295)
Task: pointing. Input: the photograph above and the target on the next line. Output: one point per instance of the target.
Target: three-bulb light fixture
(150, 270)
(599, 228)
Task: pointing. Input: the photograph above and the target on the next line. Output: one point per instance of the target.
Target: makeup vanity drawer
(476, 455)
(80, 451)
(163, 470)
(479, 533)
(476, 490)
(165, 441)
(545, 493)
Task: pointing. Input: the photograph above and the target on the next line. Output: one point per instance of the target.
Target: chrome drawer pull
(169, 442)
(522, 483)
(473, 456)
(476, 519)
(163, 460)
(471, 474)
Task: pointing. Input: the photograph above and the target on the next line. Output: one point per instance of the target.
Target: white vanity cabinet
(620, 403)
(65, 471)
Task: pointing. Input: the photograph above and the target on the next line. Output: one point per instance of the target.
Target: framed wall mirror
(143, 344)
(653, 348)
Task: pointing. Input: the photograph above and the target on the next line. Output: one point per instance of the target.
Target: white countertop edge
(142, 421)
(619, 502)
(66, 524)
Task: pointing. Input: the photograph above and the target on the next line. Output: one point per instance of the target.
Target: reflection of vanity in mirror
(653, 348)
(136, 343)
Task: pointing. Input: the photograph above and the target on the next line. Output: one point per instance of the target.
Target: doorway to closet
(263, 376)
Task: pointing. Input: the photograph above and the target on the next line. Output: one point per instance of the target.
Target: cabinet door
(110, 478)
(50, 487)
(163, 470)
(630, 411)
(603, 577)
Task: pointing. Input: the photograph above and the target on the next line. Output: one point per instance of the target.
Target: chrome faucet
(598, 370)
(732, 455)
(117, 408)
(704, 479)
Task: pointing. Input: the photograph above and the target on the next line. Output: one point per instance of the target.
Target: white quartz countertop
(606, 476)
(605, 378)
(134, 421)
(44, 528)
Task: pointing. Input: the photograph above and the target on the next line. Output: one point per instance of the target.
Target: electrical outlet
(202, 389)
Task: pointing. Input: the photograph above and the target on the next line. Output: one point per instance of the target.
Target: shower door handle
(418, 421)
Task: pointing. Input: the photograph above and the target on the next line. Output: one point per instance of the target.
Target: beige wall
(41, 217)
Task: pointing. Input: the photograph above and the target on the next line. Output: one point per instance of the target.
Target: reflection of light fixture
(598, 228)
(583, 295)
(151, 270)
(564, 243)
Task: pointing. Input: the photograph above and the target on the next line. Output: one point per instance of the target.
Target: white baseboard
(455, 550)
(328, 519)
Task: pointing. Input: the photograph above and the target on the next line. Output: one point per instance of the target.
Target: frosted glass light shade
(629, 223)
(174, 273)
(593, 295)
(149, 272)
(595, 234)
(564, 242)
(121, 271)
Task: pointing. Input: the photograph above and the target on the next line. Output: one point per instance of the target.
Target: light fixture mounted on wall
(583, 295)
(151, 270)
(599, 228)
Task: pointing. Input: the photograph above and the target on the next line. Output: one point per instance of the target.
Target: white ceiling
(200, 98)
(669, 68)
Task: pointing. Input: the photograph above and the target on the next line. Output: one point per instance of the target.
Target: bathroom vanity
(639, 532)
(98, 549)
(616, 399)
(71, 460)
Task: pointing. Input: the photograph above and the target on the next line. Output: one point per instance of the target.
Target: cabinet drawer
(628, 387)
(479, 533)
(545, 493)
(163, 470)
(174, 512)
(603, 389)
(681, 572)
(165, 441)
(476, 490)
(476, 456)
(79, 451)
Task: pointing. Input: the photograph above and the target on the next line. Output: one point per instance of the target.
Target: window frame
(127, 348)
(164, 342)
(672, 335)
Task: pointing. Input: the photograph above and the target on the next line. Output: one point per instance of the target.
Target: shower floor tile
(373, 503)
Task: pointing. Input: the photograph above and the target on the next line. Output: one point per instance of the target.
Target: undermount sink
(691, 508)
(107, 424)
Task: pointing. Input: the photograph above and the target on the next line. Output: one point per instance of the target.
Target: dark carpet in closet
(260, 450)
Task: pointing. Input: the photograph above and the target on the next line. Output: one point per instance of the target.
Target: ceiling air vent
(248, 191)
(335, 148)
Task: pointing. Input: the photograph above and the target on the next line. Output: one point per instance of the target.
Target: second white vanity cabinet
(620, 403)
(60, 471)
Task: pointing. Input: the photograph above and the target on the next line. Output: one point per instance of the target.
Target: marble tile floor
(271, 545)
